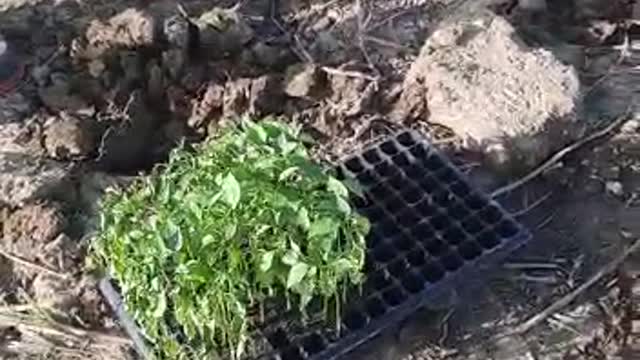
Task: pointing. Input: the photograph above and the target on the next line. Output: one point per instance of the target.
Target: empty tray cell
(491, 215)
(411, 194)
(394, 205)
(384, 252)
(454, 235)
(374, 214)
(489, 239)
(372, 156)
(367, 178)
(354, 165)
(507, 228)
(292, 353)
(426, 208)
(398, 268)
(419, 151)
(451, 261)
(469, 250)
(472, 225)
(429, 184)
(432, 272)
(422, 231)
(386, 170)
(406, 139)
(433, 162)
(439, 222)
(385, 228)
(408, 218)
(355, 320)
(398, 182)
(379, 280)
(446, 175)
(460, 189)
(413, 282)
(417, 257)
(313, 344)
(444, 199)
(415, 171)
(279, 339)
(394, 296)
(402, 160)
(458, 211)
(376, 307)
(475, 201)
(389, 147)
(380, 192)
(434, 246)
(403, 242)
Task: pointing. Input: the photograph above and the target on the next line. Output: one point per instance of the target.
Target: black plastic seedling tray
(431, 231)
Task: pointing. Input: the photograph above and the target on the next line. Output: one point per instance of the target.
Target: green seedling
(202, 243)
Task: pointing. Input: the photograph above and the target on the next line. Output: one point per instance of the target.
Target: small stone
(614, 188)
(26, 178)
(40, 74)
(50, 292)
(67, 137)
(610, 172)
(304, 80)
(20, 138)
(533, 5)
(174, 61)
(27, 230)
(57, 97)
(96, 68)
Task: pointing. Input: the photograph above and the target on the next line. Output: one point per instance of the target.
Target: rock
(29, 229)
(211, 102)
(25, 178)
(40, 74)
(304, 81)
(51, 292)
(96, 68)
(67, 137)
(176, 31)
(13, 107)
(533, 5)
(223, 32)
(21, 138)
(129, 29)
(515, 104)
(58, 97)
(174, 60)
(259, 96)
(614, 188)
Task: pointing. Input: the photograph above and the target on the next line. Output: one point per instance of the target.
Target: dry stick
(567, 299)
(32, 265)
(560, 154)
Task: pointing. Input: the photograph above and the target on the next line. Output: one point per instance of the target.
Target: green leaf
(230, 230)
(266, 261)
(231, 190)
(343, 205)
(285, 145)
(337, 187)
(302, 218)
(290, 257)
(287, 173)
(161, 306)
(257, 134)
(297, 272)
(207, 240)
(322, 227)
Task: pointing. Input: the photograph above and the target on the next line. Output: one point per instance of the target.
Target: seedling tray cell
(431, 230)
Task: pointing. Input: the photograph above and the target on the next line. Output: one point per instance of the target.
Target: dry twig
(567, 299)
(32, 265)
(561, 154)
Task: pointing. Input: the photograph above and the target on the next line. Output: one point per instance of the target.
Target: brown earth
(111, 86)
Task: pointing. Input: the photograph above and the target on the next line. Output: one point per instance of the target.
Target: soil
(111, 86)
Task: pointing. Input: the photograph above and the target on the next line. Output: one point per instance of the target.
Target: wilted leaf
(297, 272)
